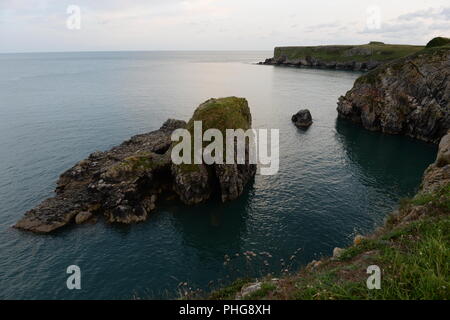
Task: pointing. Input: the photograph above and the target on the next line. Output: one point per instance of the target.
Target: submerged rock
(409, 96)
(302, 119)
(124, 183)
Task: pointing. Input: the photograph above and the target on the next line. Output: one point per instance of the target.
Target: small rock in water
(302, 119)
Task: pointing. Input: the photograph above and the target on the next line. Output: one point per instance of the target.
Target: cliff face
(409, 96)
(343, 57)
(124, 184)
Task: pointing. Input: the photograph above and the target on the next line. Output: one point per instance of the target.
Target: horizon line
(157, 50)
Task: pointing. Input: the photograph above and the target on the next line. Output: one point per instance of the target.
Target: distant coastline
(340, 57)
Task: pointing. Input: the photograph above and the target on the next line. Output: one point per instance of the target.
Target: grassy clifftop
(374, 51)
(412, 249)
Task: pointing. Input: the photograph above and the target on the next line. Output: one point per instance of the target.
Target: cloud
(426, 23)
(428, 14)
(40, 25)
(323, 26)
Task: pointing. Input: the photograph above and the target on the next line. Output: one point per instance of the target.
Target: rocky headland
(125, 183)
(340, 57)
(409, 96)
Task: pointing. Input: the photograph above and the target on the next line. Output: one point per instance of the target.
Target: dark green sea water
(335, 180)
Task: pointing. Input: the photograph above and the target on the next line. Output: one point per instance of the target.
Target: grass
(221, 114)
(229, 292)
(440, 198)
(413, 255)
(266, 289)
(374, 51)
(141, 162)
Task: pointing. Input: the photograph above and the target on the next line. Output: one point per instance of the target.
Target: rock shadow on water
(212, 226)
(388, 160)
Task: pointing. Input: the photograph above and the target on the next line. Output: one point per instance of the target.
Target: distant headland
(341, 57)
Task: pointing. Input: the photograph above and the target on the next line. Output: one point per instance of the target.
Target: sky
(114, 25)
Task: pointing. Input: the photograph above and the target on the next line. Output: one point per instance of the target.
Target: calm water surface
(335, 180)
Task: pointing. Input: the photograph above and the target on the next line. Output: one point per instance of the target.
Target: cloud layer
(40, 25)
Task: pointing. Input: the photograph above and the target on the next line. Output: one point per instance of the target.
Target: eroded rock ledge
(125, 183)
(409, 96)
(313, 62)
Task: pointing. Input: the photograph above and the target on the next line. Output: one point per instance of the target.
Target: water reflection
(223, 224)
(384, 160)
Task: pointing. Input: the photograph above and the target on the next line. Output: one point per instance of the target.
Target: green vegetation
(266, 288)
(229, 292)
(412, 250)
(440, 198)
(221, 114)
(140, 162)
(374, 51)
(438, 42)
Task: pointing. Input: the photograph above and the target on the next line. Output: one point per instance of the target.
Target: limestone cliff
(409, 96)
(341, 57)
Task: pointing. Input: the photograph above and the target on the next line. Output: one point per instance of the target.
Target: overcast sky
(41, 25)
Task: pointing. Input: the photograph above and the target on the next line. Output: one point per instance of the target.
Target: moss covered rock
(124, 183)
(195, 183)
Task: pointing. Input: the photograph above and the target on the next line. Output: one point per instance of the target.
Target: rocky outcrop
(409, 96)
(122, 183)
(437, 175)
(313, 62)
(125, 183)
(340, 57)
(194, 183)
(302, 119)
